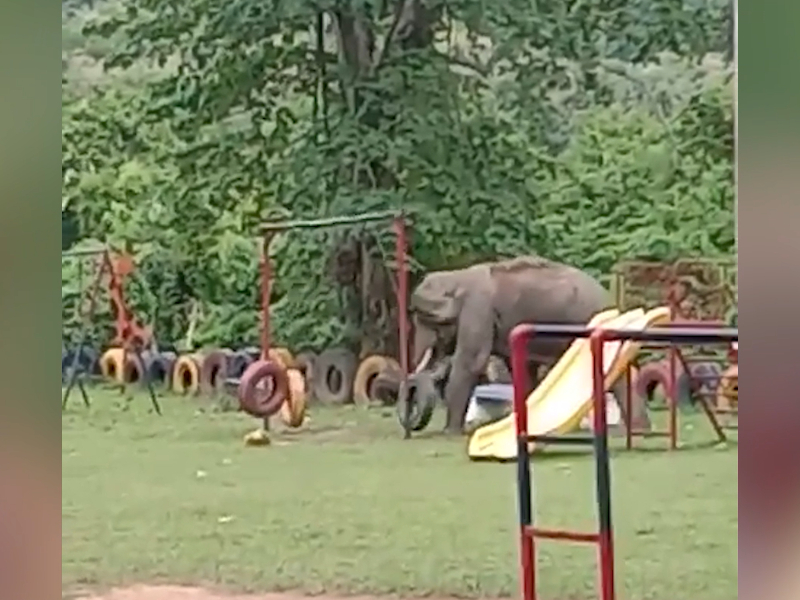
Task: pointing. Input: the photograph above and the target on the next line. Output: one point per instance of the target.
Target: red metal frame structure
(604, 538)
(675, 357)
(399, 222)
(129, 334)
(675, 296)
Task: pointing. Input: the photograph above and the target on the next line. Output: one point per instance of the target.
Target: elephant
(468, 313)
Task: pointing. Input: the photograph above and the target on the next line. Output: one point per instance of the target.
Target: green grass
(348, 506)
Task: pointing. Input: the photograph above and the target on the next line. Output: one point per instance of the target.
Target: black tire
(87, 361)
(254, 352)
(238, 363)
(386, 387)
(706, 376)
(158, 368)
(66, 362)
(417, 401)
(335, 370)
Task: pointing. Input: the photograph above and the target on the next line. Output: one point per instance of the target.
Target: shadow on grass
(554, 454)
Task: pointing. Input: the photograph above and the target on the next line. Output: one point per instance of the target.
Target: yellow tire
(283, 357)
(114, 369)
(186, 375)
(293, 410)
(111, 365)
(367, 372)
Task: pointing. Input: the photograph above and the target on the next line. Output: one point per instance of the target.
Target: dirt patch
(171, 592)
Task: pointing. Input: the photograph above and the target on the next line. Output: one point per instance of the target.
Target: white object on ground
(494, 401)
(489, 402)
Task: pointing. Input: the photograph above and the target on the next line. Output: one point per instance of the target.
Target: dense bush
(590, 137)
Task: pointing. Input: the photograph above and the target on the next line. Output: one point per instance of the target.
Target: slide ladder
(598, 439)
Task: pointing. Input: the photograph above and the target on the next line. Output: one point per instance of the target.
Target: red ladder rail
(604, 538)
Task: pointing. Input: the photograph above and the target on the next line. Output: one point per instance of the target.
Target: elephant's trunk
(425, 340)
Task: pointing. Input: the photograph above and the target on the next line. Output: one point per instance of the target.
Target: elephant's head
(436, 304)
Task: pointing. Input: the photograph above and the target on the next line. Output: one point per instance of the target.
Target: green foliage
(591, 134)
(636, 182)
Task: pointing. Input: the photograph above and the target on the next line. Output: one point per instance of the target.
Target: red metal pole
(628, 409)
(266, 288)
(672, 393)
(521, 384)
(606, 543)
(401, 248)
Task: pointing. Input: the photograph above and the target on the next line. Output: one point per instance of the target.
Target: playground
(347, 507)
(336, 499)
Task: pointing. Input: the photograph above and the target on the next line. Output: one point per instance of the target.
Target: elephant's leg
(639, 418)
(457, 392)
(474, 342)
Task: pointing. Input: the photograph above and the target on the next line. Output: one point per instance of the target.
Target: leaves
(586, 132)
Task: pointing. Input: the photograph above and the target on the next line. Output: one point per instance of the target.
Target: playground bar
(575, 440)
(83, 252)
(518, 341)
(664, 334)
(398, 219)
(401, 254)
(278, 226)
(563, 535)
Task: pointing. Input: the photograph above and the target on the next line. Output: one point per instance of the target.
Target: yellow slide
(564, 397)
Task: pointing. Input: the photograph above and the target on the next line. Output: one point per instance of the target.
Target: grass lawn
(347, 506)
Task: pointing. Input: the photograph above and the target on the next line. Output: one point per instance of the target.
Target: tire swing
(186, 375)
(264, 387)
(365, 390)
(416, 402)
(293, 409)
(282, 356)
(334, 373)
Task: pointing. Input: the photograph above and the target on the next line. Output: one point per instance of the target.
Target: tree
(473, 115)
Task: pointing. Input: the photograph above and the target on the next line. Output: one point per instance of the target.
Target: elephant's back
(553, 294)
(590, 296)
(547, 292)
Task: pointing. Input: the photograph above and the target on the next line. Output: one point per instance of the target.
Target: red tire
(263, 388)
(214, 371)
(656, 374)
